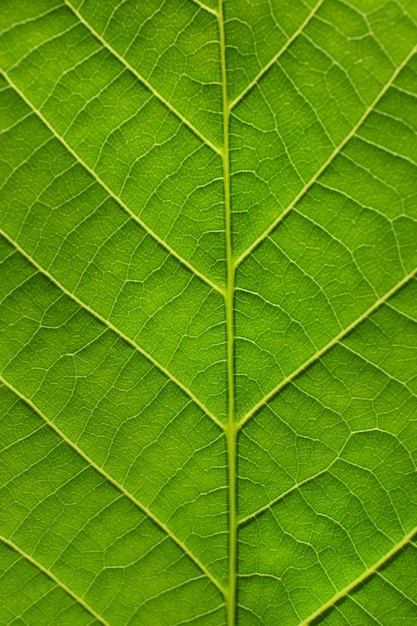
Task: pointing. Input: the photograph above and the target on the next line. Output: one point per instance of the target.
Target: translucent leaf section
(208, 312)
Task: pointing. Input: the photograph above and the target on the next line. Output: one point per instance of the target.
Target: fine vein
(362, 578)
(143, 80)
(54, 579)
(275, 58)
(115, 197)
(114, 482)
(326, 164)
(114, 328)
(317, 355)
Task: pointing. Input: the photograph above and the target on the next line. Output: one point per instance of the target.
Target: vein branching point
(208, 315)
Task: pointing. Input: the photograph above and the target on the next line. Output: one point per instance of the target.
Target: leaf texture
(208, 215)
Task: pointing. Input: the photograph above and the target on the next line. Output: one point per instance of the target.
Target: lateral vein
(275, 58)
(54, 579)
(114, 328)
(362, 578)
(143, 80)
(266, 507)
(327, 347)
(326, 164)
(115, 484)
(205, 7)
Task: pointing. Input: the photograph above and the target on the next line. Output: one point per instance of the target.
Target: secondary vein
(54, 579)
(111, 194)
(142, 79)
(364, 576)
(326, 164)
(114, 328)
(314, 357)
(275, 58)
(114, 483)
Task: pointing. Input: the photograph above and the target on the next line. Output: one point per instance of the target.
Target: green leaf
(208, 312)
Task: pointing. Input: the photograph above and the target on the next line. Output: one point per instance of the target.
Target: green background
(208, 312)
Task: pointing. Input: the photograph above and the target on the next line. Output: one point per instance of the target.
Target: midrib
(231, 430)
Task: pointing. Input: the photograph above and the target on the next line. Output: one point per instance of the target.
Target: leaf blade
(208, 310)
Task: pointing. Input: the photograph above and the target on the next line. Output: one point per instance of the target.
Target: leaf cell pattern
(208, 312)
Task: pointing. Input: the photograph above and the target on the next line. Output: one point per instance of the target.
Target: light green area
(208, 312)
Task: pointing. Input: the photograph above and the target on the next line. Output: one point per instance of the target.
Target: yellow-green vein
(326, 164)
(317, 355)
(143, 80)
(205, 7)
(51, 576)
(111, 194)
(231, 432)
(115, 484)
(114, 328)
(362, 578)
(275, 58)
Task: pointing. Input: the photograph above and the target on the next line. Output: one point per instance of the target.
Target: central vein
(231, 429)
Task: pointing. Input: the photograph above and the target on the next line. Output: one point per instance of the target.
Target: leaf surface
(208, 312)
